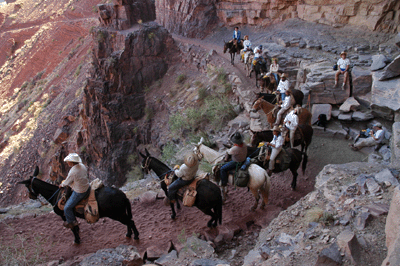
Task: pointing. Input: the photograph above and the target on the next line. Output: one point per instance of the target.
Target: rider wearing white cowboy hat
(78, 180)
(276, 144)
(186, 173)
(283, 86)
(287, 103)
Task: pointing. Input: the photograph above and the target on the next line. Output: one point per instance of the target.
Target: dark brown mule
(233, 48)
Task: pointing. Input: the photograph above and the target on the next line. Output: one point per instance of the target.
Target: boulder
(362, 80)
(392, 70)
(344, 117)
(164, 259)
(350, 104)
(392, 230)
(122, 255)
(348, 242)
(318, 109)
(329, 256)
(397, 40)
(386, 176)
(378, 62)
(395, 158)
(148, 197)
(362, 116)
(385, 96)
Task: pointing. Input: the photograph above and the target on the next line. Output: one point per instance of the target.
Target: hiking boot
(343, 86)
(335, 84)
(70, 225)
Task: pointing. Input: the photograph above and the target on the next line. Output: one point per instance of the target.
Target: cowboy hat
(190, 159)
(260, 46)
(343, 53)
(276, 128)
(237, 138)
(297, 109)
(73, 157)
(378, 125)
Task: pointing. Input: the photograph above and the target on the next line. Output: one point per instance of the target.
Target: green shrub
(202, 93)
(149, 113)
(181, 79)
(177, 123)
(168, 153)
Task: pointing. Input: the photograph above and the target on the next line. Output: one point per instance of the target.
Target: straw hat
(237, 138)
(73, 157)
(190, 159)
(343, 53)
(276, 128)
(378, 125)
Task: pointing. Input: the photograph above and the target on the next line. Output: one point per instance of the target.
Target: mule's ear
(141, 154)
(147, 152)
(25, 182)
(36, 172)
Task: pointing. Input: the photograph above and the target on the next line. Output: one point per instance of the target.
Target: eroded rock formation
(191, 17)
(114, 97)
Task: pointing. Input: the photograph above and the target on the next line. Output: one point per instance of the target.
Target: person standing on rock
(276, 145)
(274, 69)
(247, 49)
(238, 153)
(287, 103)
(374, 139)
(343, 68)
(78, 180)
(291, 122)
(186, 173)
(283, 86)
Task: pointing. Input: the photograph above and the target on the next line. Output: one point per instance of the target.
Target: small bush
(78, 70)
(177, 123)
(202, 93)
(149, 113)
(181, 79)
(94, 9)
(168, 153)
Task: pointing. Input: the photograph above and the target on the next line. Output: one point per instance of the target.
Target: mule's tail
(304, 165)
(128, 208)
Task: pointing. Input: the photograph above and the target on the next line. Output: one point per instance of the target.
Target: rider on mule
(291, 122)
(276, 145)
(246, 49)
(236, 35)
(78, 180)
(274, 68)
(238, 153)
(258, 55)
(186, 174)
(287, 103)
(283, 86)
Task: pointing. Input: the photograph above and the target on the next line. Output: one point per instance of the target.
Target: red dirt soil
(153, 221)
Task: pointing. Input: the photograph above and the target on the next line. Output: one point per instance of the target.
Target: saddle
(282, 160)
(88, 205)
(240, 177)
(188, 192)
(298, 135)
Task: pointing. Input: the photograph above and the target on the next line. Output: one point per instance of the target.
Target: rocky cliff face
(190, 17)
(114, 97)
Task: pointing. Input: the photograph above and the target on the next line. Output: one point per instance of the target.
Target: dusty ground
(41, 238)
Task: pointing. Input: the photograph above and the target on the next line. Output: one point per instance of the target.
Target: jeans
(276, 78)
(175, 186)
(224, 171)
(70, 204)
(283, 96)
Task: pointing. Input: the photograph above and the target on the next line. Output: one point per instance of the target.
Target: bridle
(32, 192)
(146, 165)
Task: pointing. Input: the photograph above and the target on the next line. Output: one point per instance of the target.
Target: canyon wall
(193, 18)
(125, 63)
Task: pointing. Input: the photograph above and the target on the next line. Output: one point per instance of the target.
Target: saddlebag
(242, 178)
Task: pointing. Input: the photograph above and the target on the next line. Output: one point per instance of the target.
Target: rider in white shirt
(343, 68)
(247, 48)
(285, 105)
(276, 144)
(283, 86)
(291, 122)
(373, 140)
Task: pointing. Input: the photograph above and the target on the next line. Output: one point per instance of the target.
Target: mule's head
(196, 149)
(146, 161)
(28, 183)
(257, 104)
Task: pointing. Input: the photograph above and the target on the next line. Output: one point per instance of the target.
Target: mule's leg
(75, 230)
(214, 218)
(265, 193)
(256, 196)
(173, 215)
(135, 231)
(294, 181)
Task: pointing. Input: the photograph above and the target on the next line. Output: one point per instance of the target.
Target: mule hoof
(77, 242)
(128, 236)
(136, 237)
(173, 216)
